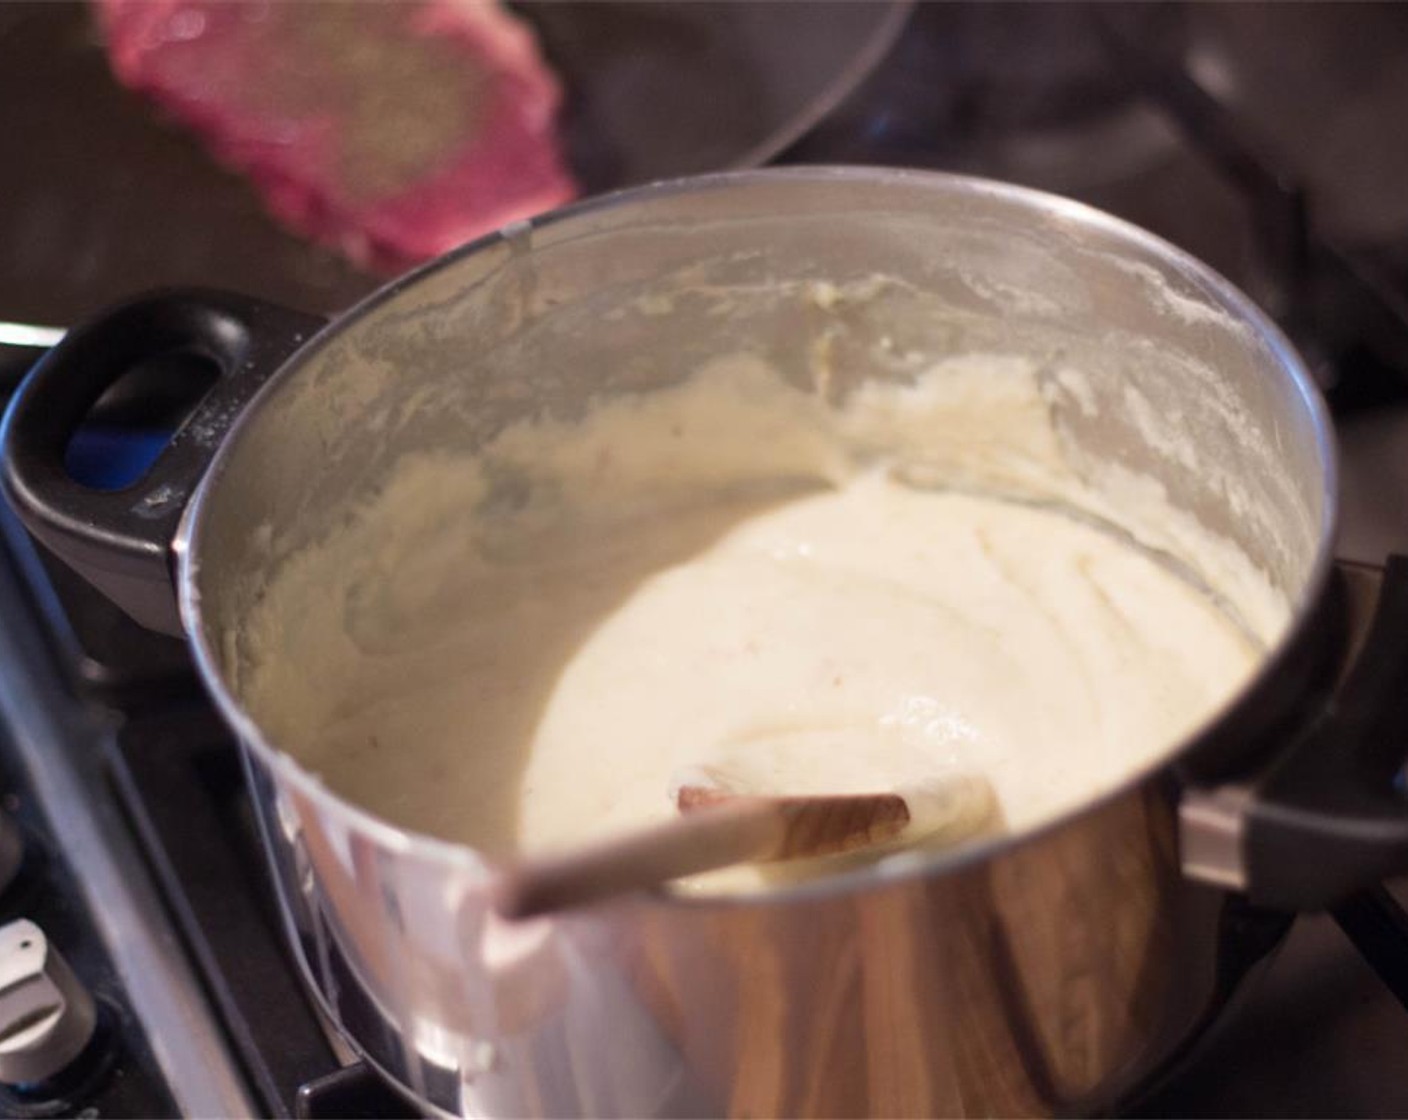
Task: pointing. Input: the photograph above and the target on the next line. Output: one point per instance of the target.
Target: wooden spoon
(715, 829)
(810, 826)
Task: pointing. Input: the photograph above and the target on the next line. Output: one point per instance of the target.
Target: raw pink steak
(394, 131)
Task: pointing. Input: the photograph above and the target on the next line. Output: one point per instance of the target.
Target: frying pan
(107, 199)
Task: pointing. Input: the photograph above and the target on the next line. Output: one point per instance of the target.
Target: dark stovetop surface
(115, 1074)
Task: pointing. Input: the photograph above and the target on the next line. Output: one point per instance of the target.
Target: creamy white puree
(527, 647)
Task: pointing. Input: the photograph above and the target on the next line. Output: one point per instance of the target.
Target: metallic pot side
(1050, 978)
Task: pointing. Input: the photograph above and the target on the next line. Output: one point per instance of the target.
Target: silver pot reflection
(1052, 971)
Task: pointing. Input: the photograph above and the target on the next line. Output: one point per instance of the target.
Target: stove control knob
(11, 850)
(46, 1015)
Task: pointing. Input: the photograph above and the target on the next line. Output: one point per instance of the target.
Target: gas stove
(1265, 141)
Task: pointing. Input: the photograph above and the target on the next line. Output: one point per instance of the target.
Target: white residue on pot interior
(1163, 295)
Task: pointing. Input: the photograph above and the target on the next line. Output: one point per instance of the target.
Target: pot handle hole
(1329, 816)
(120, 540)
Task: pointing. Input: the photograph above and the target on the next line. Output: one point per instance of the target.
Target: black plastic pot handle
(120, 540)
(1330, 816)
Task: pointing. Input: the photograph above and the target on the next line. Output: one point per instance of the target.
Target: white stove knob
(46, 1015)
(11, 850)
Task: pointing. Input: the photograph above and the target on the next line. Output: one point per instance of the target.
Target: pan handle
(1329, 817)
(120, 540)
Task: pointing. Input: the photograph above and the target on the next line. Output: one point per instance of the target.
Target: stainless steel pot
(1052, 971)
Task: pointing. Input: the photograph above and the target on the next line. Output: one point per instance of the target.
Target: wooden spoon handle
(724, 831)
(686, 845)
(815, 826)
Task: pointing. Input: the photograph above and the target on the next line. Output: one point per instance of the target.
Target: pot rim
(901, 866)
